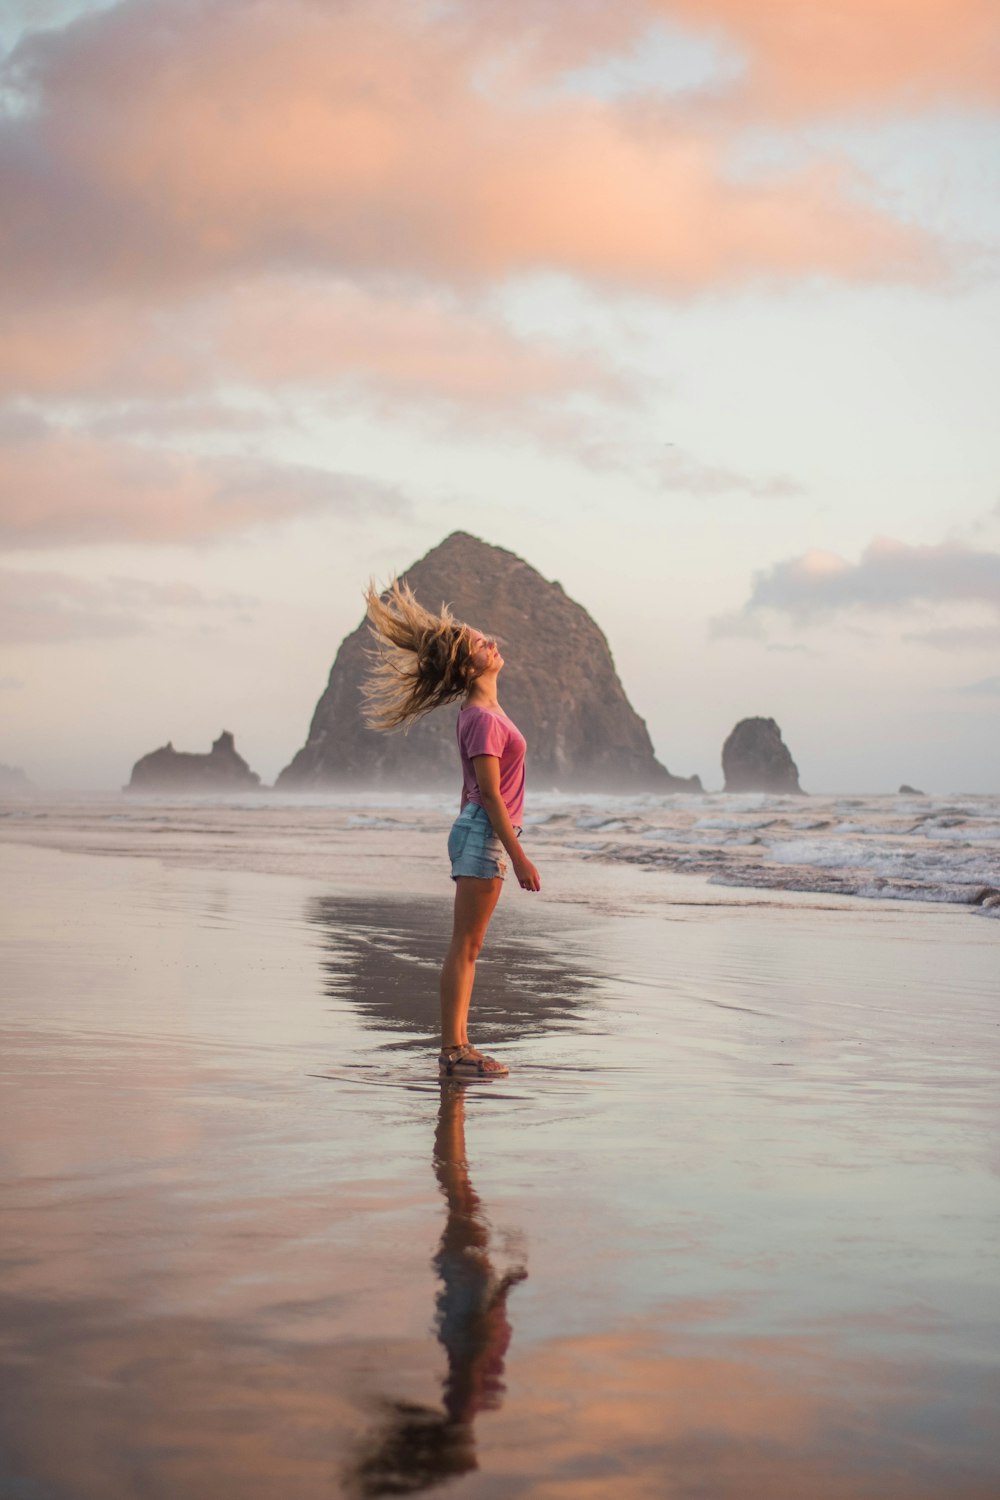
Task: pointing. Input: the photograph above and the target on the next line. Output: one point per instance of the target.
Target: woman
(422, 662)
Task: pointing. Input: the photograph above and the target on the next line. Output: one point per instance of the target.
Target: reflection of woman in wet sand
(472, 1303)
(425, 661)
(420, 1446)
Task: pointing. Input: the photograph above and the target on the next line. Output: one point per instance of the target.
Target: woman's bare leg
(475, 900)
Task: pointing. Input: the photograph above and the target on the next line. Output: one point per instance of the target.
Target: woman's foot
(466, 1061)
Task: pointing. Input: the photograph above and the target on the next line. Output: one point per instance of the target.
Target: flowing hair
(419, 662)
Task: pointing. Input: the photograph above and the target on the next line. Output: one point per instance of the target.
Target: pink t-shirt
(484, 731)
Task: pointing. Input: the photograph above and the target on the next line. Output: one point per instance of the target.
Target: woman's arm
(487, 769)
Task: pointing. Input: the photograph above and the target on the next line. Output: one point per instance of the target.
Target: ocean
(941, 849)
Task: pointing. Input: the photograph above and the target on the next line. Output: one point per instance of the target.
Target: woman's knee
(467, 946)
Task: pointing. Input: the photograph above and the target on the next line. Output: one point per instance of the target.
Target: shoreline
(372, 839)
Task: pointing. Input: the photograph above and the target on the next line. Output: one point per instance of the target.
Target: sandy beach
(730, 1228)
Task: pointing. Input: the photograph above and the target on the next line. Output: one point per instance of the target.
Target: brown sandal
(467, 1061)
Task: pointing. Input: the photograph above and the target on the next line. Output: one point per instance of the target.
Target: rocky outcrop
(170, 770)
(559, 686)
(910, 791)
(14, 783)
(756, 759)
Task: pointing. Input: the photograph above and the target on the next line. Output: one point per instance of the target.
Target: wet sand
(729, 1229)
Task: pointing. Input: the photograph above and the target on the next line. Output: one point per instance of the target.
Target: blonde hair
(420, 661)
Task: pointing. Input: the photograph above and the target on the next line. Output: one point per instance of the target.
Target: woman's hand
(487, 769)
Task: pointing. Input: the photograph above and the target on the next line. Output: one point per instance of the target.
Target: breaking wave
(886, 848)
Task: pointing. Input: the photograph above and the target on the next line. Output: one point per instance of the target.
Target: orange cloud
(69, 487)
(166, 148)
(813, 57)
(800, 59)
(269, 195)
(275, 331)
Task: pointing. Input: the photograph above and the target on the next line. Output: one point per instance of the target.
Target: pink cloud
(801, 59)
(681, 471)
(958, 637)
(808, 58)
(889, 576)
(205, 193)
(170, 145)
(70, 487)
(42, 607)
(275, 332)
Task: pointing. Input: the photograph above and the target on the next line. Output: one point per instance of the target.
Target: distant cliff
(170, 770)
(559, 686)
(756, 759)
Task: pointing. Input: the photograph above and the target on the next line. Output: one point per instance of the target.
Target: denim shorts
(474, 848)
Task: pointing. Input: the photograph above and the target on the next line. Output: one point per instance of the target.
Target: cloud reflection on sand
(636, 1413)
(203, 1406)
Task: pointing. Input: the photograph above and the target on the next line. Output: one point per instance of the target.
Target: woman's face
(485, 653)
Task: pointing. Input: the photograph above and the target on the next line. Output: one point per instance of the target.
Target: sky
(693, 304)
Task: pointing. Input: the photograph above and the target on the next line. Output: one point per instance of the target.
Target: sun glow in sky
(692, 305)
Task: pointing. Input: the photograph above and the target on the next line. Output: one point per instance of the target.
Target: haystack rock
(559, 686)
(170, 770)
(756, 759)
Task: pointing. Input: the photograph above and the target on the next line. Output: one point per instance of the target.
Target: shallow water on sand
(729, 1229)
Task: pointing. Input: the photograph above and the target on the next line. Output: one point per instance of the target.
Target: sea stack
(756, 759)
(559, 686)
(170, 770)
(14, 783)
